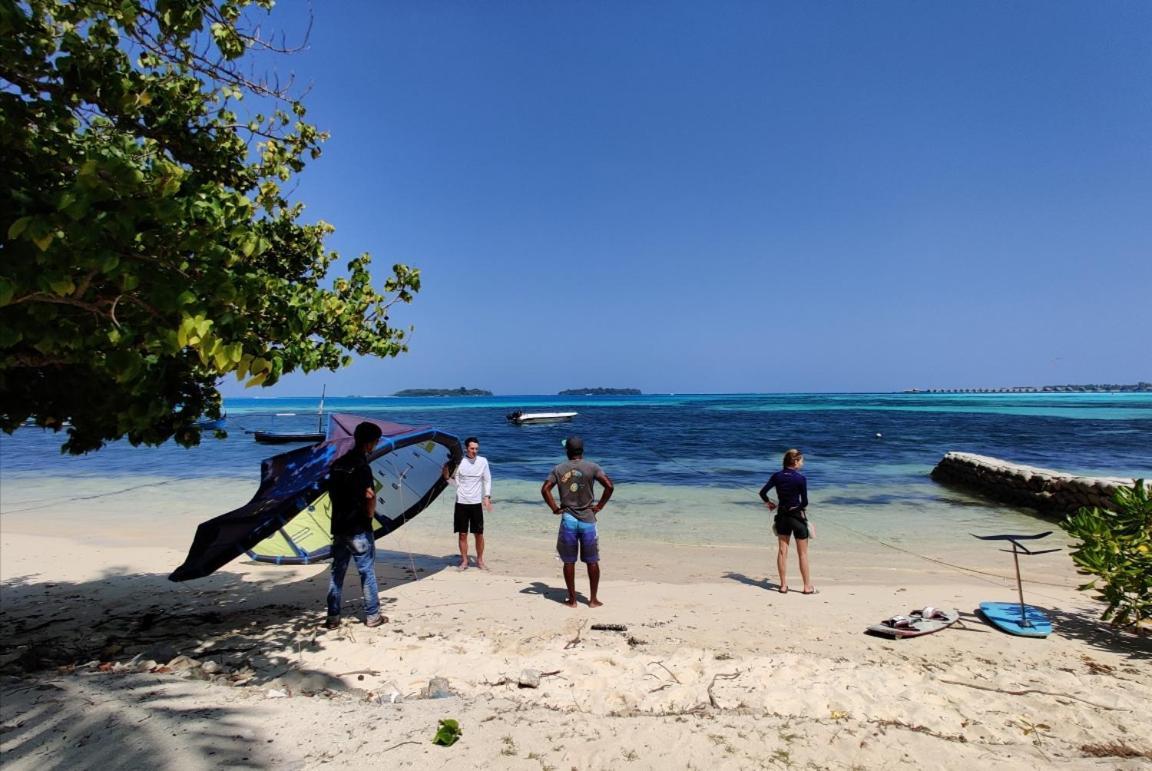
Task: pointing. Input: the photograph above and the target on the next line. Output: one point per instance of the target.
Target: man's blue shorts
(577, 538)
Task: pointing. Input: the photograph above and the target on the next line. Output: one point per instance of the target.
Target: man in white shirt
(473, 483)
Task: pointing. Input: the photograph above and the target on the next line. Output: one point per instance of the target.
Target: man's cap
(574, 444)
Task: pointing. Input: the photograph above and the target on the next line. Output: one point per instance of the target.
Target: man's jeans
(361, 548)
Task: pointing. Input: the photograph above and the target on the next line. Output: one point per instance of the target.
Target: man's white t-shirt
(473, 480)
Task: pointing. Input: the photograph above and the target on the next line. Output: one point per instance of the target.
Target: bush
(1116, 547)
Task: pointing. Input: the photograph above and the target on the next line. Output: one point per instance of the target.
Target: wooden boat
(521, 418)
(297, 437)
(289, 437)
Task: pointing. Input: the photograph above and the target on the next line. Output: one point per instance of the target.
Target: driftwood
(721, 676)
(1027, 691)
(576, 640)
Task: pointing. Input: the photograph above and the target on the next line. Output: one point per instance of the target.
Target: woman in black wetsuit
(791, 517)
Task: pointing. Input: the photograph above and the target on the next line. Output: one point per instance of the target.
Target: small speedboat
(521, 418)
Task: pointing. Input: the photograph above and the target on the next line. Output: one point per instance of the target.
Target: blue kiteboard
(1006, 617)
(1016, 617)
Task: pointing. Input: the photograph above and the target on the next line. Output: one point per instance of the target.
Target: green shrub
(1116, 547)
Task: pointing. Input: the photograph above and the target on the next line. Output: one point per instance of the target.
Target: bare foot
(594, 603)
(462, 566)
(570, 602)
(482, 565)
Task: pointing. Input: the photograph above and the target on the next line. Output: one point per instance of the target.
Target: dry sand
(715, 669)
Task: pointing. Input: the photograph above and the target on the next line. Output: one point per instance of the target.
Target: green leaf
(448, 733)
(63, 286)
(18, 227)
(44, 241)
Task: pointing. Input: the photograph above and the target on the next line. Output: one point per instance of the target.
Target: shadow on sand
(763, 583)
(65, 704)
(556, 594)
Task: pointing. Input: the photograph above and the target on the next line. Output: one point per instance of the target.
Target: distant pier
(1048, 389)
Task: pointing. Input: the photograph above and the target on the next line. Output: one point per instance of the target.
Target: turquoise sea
(687, 466)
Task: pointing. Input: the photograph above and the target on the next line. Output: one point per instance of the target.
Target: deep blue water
(713, 440)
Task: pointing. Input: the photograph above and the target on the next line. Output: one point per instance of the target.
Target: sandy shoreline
(718, 671)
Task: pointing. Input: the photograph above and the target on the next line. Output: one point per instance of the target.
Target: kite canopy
(288, 520)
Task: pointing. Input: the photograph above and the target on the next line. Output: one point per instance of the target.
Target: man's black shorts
(468, 518)
(793, 525)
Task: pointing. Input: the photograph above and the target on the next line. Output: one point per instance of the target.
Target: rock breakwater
(1053, 493)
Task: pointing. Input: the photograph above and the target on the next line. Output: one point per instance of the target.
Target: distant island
(443, 392)
(1048, 389)
(601, 392)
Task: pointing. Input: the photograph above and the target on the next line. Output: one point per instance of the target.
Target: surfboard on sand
(916, 623)
(1006, 617)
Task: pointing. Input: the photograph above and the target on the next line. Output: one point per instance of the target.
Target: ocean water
(687, 467)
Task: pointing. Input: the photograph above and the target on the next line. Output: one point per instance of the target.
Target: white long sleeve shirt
(473, 480)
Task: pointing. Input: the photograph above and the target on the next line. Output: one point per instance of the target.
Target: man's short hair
(470, 440)
(367, 432)
(574, 446)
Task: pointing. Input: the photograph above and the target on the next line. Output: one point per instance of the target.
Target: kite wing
(288, 520)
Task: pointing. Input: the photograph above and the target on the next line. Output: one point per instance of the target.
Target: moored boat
(288, 437)
(521, 418)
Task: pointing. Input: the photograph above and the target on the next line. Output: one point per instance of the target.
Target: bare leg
(463, 552)
(480, 563)
(802, 552)
(594, 584)
(782, 560)
(570, 582)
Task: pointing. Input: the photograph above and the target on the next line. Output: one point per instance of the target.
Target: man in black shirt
(352, 492)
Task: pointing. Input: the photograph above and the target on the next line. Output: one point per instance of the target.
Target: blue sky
(739, 196)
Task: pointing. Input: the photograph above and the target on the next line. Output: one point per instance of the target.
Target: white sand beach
(107, 664)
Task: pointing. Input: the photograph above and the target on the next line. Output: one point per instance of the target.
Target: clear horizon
(844, 197)
(271, 394)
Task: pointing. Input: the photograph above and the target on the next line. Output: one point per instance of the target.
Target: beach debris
(182, 664)
(389, 694)
(1114, 750)
(576, 640)
(529, 678)
(275, 693)
(719, 676)
(634, 641)
(242, 677)
(438, 688)
(609, 627)
(310, 683)
(448, 733)
(1026, 691)
(666, 669)
(839, 714)
(211, 667)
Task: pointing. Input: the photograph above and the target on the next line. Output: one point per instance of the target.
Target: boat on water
(289, 437)
(208, 424)
(521, 418)
(297, 437)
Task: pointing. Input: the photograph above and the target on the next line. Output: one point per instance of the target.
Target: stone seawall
(1053, 493)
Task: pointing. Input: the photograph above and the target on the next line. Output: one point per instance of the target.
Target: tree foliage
(149, 248)
(1116, 547)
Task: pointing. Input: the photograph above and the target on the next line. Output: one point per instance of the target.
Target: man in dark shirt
(577, 510)
(352, 492)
